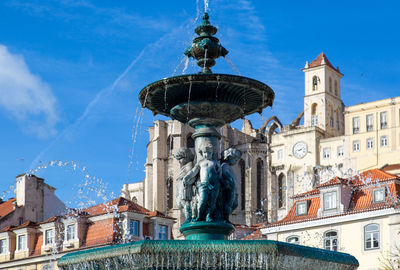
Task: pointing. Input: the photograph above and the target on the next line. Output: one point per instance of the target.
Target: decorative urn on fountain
(206, 184)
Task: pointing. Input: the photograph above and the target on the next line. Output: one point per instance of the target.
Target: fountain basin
(222, 98)
(207, 254)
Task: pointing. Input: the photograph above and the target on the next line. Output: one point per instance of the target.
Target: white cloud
(25, 96)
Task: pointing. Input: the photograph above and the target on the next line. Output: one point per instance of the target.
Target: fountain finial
(206, 48)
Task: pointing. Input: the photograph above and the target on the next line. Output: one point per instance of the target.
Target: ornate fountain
(206, 185)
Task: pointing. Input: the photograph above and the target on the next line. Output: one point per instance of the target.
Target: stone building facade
(327, 139)
(34, 200)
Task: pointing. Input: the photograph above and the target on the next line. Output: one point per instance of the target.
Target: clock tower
(323, 106)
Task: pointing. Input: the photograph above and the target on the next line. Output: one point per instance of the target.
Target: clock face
(300, 149)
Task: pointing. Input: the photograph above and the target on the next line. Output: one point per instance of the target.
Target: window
(21, 242)
(293, 239)
(70, 232)
(330, 84)
(280, 154)
(356, 146)
(3, 246)
(162, 232)
(379, 195)
(371, 236)
(326, 152)
(384, 141)
(336, 88)
(337, 119)
(370, 143)
(133, 227)
(170, 192)
(368, 120)
(170, 145)
(330, 200)
(301, 208)
(260, 165)
(49, 237)
(340, 151)
(383, 116)
(331, 122)
(314, 114)
(242, 166)
(331, 240)
(315, 81)
(356, 125)
(281, 190)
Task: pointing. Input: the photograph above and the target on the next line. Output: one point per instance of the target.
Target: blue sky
(71, 71)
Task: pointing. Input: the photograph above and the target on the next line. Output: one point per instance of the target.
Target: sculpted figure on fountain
(185, 194)
(208, 171)
(228, 195)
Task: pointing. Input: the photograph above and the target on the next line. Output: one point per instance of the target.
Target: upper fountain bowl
(206, 98)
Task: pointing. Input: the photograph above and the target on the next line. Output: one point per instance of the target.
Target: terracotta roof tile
(8, 228)
(7, 207)
(117, 205)
(52, 219)
(27, 224)
(318, 61)
(307, 194)
(391, 167)
(100, 233)
(256, 235)
(38, 244)
(361, 200)
(158, 214)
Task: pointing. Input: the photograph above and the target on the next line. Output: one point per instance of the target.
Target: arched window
(293, 239)
(242, 167)
(336, 88)
(314, 114)
(371, 236)
(315, 81)
(170, 145)
(331, 121)
(330, 84)
(260, 165)
(170, 195)
(337, 119)
(331, 240)
(189, 141)
(281, 190)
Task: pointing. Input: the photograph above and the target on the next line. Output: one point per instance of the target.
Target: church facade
(327, 139)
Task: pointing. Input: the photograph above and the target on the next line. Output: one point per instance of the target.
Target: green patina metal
(206, 48)
(207, 230)
(274, 249)
(221, 97)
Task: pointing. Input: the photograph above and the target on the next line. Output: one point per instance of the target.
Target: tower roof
(322, 60)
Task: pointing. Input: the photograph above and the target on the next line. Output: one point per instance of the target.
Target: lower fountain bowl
(207, 254)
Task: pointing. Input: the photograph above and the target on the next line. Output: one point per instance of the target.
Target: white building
(359, 215)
